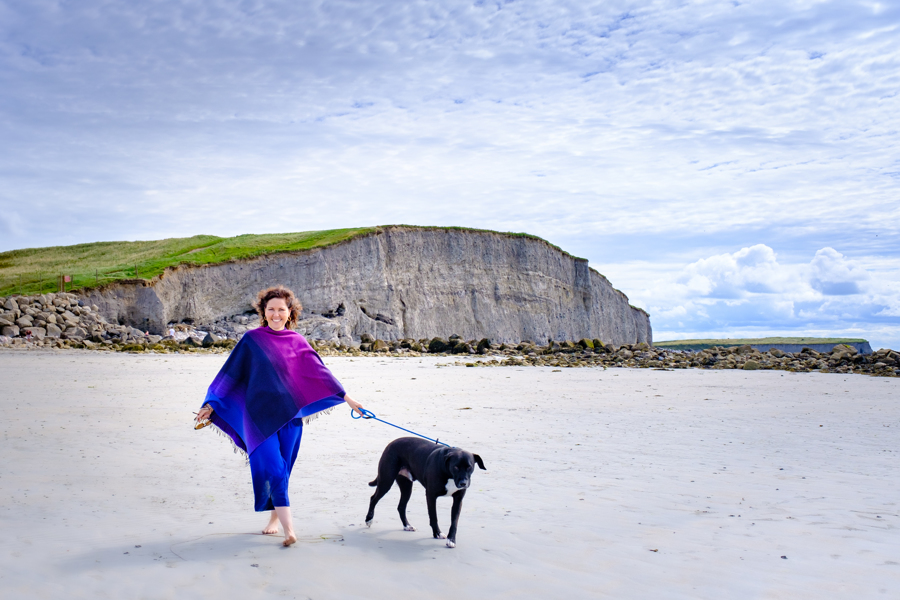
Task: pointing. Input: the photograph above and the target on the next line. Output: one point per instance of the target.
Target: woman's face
(277, 313)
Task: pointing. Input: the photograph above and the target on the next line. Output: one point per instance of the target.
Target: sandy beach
(618, 483)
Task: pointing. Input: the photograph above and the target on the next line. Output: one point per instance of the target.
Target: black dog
(442, 470)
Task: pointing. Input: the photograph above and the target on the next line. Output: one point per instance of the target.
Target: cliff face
(401, 283)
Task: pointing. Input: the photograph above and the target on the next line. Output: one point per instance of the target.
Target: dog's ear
(479, 462)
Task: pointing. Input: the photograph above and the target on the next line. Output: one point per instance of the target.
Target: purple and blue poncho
(270, 379)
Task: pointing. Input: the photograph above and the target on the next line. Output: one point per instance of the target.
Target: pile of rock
(64, 320)
(51, 317)
(595, 353)
(841, 359)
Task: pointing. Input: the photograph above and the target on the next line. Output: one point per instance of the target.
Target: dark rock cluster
(62, 320)
(595, 353)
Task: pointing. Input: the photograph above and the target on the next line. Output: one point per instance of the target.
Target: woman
(272, 383)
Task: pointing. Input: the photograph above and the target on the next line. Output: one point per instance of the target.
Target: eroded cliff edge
(400, 282)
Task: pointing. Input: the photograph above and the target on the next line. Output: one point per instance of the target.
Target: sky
(733, 167)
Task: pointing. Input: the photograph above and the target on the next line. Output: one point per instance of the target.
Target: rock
(454, 338)
(136, 333)
(366, 339)
(483, 346)
(190, 342)
(36, 332)
(209, 340)
(776, 352)
(153, 339)
(844, 349)
(745, 349)
(625, 354)
(89, 344)
(24, 321)
(437, 345)
(365, 347)
(462, 348)
(6, 322)
(751, 365)
(10, 330)
(53, 331)
(380, 346)
(11, 304)
(75, 333)
(586, 343)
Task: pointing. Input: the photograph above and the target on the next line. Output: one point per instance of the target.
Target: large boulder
(844, 350)
(10, 330)
(75, 333)
(36, 332)
(209, 340)
(11, 304)
(25, 321)
(438, 345)
(462, 348)
(53, 331)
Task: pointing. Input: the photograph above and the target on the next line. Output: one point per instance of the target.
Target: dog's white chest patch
(451, 489)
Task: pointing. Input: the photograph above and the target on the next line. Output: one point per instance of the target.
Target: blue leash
(367, 414)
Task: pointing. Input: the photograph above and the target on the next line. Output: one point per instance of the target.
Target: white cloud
(750, 292)
(834, 275)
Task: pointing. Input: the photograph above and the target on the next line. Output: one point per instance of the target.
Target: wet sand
(600, 484)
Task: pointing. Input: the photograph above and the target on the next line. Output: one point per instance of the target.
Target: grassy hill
(703, 344)
(35, 270)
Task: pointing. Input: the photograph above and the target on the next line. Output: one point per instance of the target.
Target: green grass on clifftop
(703, 344)
(35, 270)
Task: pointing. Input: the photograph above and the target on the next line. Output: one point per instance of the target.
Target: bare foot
(272, 526)
(289, 539)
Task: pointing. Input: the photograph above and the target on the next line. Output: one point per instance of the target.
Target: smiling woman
(271, 385)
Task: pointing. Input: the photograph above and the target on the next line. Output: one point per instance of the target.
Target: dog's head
(460, 464)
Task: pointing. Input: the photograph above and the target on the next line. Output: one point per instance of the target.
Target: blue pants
(270, 466)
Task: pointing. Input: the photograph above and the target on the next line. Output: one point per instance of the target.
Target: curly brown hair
(279, 291)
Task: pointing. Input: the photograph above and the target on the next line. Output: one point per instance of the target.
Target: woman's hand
(204, 414)
(353, 404)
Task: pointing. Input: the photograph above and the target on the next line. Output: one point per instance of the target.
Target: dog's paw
(369, 522)
(440, 536)
(409, 528)
(451, 544)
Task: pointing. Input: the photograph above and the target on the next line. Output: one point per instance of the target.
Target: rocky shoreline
(64, 321)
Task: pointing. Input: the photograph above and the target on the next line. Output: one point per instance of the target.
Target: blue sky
(732, 166)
